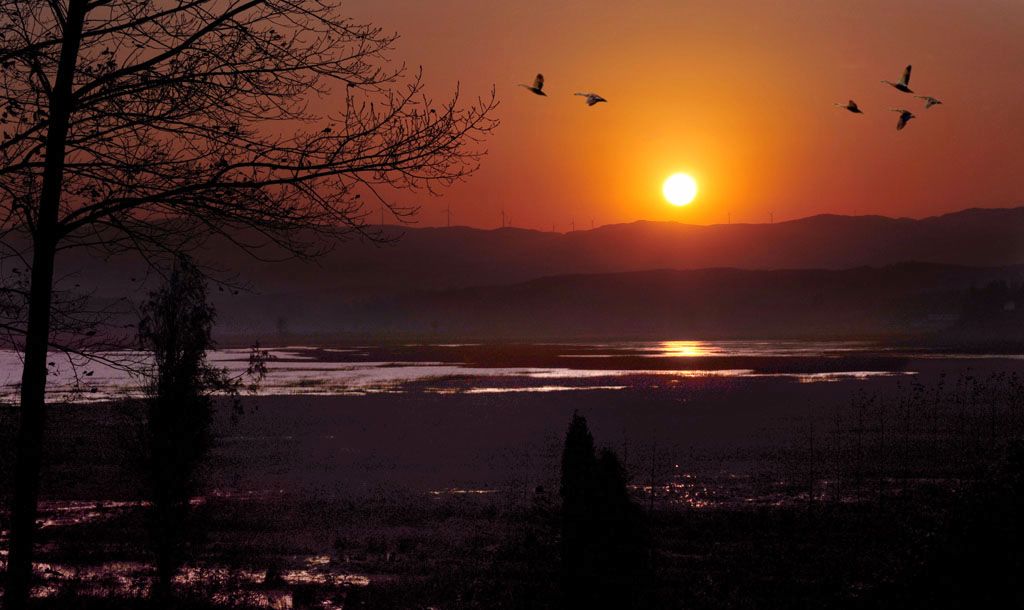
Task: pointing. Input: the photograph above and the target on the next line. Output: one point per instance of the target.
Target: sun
(679, 189)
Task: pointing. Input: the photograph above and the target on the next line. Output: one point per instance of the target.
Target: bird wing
(906, 76)
(538, 83)
(592, 98)
(904, 118)
(852, 105)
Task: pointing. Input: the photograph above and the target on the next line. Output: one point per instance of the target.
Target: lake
(396, 429)
(489, 368)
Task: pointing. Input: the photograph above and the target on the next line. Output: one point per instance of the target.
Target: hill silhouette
(443, 258)
(644, 278)
(907, 300)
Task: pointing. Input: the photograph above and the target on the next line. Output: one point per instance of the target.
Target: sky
(736, 93)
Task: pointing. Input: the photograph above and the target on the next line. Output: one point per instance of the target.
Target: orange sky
(737, 93)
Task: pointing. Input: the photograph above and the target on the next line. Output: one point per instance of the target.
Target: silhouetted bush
(175, 328)
(604, 545)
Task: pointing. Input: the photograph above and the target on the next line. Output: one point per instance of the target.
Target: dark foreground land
(765, 493)
(925, 550)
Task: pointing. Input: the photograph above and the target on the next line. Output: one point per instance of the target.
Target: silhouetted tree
(141, 126)
(605, 550)
(621, 550)
(175, 328)
(578, 490)
(994, 311)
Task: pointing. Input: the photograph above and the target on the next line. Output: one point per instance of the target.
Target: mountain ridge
(354, 285)
(905, 299)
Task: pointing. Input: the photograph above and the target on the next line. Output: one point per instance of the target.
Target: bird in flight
(904, 84)
(851, 106)
(905, 116)
(592, 98)
(929, 101)
(537, 87)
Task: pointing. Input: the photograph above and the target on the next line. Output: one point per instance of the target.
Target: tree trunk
(37, 337)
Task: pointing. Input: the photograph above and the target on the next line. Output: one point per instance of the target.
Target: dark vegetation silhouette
(994, 310)
(175, 328)
(945, 461)
(907, 499)
(954, 428)
(139, 127)
(604, 547)
(978, 557)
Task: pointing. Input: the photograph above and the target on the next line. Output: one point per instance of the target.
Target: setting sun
(679, 189)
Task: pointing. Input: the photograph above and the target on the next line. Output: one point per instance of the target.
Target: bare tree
(149, 126)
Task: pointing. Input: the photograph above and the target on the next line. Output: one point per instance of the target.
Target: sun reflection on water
(687, 349)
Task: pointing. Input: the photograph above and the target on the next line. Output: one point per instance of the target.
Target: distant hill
(907, 300)
(440, 258)
(429, 278)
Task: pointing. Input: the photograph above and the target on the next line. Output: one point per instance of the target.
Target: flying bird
(929, 101)
(904, 84)
(537, 87)
(592, 98)
(905, 116)
(851, 106)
